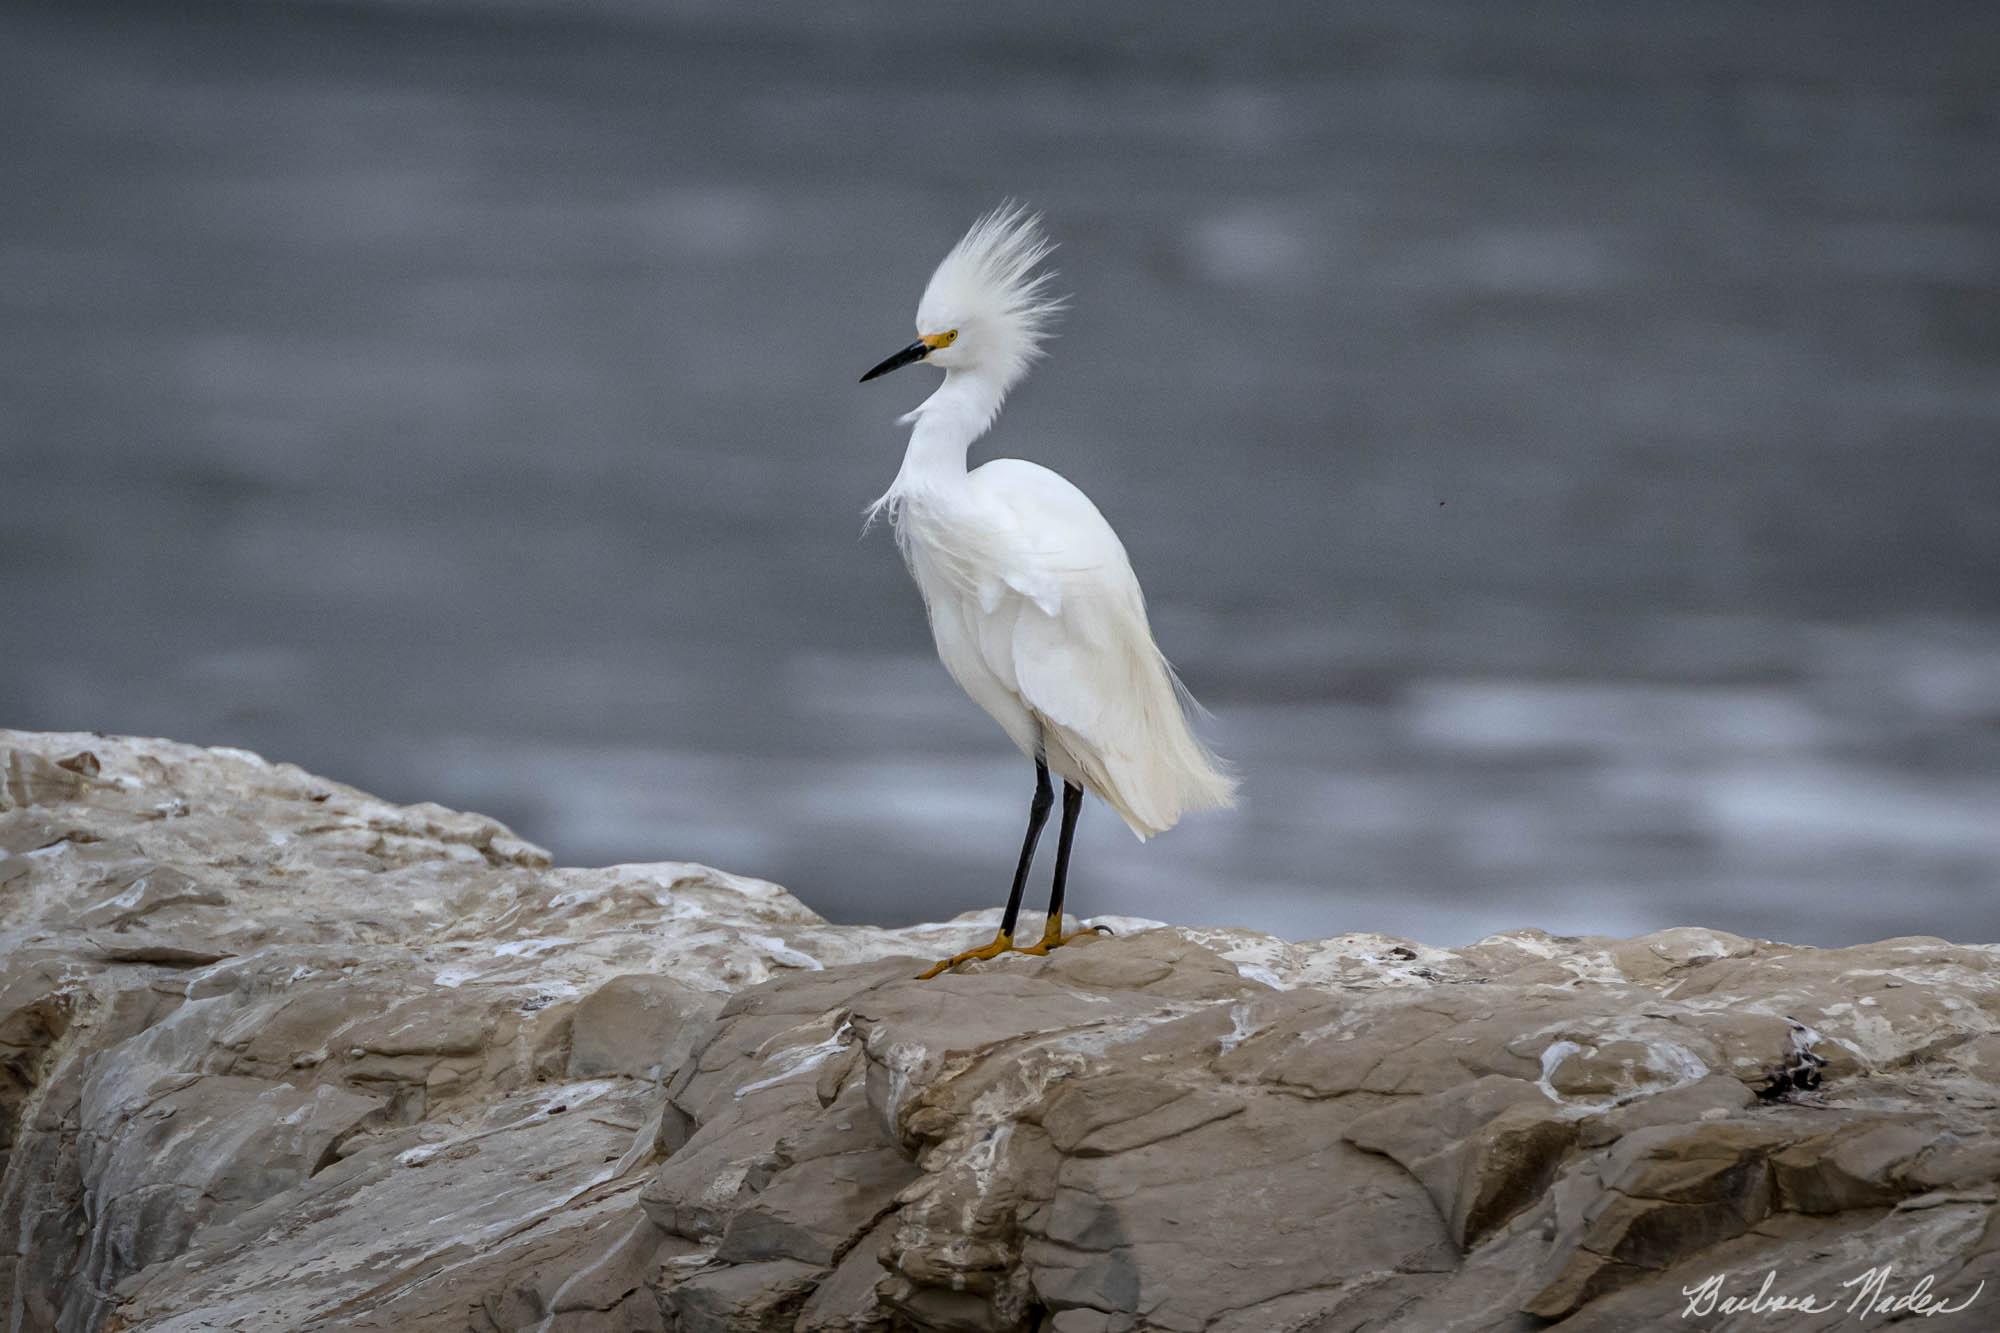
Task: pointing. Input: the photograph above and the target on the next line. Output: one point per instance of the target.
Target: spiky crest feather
(988, 290)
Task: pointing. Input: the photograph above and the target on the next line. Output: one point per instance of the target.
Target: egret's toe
(999, 944)
(1053, 937)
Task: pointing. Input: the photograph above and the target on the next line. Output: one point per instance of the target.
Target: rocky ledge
(275, 1055)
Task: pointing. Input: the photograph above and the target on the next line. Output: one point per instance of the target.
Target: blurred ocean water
(1564, 454)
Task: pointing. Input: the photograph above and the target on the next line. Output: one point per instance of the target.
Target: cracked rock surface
(277, 1055)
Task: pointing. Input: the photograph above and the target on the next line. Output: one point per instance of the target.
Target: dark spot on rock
(1800, 1072)
(84, 762)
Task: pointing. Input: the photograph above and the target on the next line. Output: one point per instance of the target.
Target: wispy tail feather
(1172, 773)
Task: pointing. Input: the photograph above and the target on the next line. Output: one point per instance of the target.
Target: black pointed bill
(916, 351)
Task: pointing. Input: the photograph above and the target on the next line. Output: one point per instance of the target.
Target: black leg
(1038, 815)
(1072, 807)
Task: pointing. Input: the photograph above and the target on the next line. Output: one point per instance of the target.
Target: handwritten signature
(1869, 1293)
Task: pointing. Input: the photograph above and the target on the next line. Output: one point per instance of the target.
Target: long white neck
(947, 423)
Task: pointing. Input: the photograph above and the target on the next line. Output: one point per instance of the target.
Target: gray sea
(1561, 445)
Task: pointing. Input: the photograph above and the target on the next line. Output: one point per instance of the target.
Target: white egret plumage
(1033, 603)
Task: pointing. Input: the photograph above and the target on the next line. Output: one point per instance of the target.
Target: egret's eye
(937, 340)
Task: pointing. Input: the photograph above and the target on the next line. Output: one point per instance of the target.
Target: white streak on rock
(1552, 1059)
(531, 948)
(800, 1060)
(784, 954)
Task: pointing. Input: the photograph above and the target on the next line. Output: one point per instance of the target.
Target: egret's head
(986, 308)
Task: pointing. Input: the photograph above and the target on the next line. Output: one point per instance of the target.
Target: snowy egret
(1032, 601)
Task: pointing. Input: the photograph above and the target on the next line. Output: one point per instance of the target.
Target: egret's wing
(1072, 675)
(1063, 620)
(1055, 552)
(1076, 643)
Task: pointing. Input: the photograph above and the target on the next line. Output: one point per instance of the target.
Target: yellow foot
(1053, 937)
(1001, 943)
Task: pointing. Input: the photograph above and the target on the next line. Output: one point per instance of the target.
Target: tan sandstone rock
(277, 1055)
